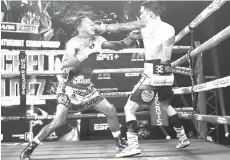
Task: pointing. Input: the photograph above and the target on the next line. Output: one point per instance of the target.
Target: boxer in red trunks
(76, 89)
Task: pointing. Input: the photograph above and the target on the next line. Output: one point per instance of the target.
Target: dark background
(179, 14)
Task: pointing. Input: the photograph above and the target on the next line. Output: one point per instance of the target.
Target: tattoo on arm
(130, 26)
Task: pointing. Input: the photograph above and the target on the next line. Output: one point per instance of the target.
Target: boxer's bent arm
(74, 60)
(70, 62)
(71, 57)
(130, 26)
(117, 45)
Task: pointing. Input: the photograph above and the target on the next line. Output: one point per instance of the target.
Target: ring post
(201, 103)
(191, 66)
(23, 81)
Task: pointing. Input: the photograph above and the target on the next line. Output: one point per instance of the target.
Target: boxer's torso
(80, 74)
(158, 38)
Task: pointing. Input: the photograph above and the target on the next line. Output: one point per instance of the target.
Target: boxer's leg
(131, 122)
(143, 94)
(131, 107)
(165, 94)
(111, 114)
(59, 120)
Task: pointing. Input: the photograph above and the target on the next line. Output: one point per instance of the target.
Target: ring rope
(70, 116)
(181, 70)
(206, 118)
(222, 82)
(198, 117)
(176, 49)
(214, 6)
(212, 42)
(218, 83)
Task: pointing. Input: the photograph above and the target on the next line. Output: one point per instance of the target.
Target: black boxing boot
(27, 151)
(120, 143)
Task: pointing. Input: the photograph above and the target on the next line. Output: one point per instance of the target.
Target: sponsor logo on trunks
(104, 76)
(137, 57)
(132, 74)
(80, 92)
(101, 127)
(158, 110)
(76, 91)
(147, 95)
(81, 79)
(108, 57)
(163, 82)
(159, 68)
(222, 120)
(115, 94)
(199, 118)
(168, 69)
(52, 136)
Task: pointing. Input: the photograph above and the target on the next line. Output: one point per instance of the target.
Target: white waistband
(159, 80)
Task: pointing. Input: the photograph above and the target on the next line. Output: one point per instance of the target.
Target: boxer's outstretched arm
(118, 27)
(118, 45)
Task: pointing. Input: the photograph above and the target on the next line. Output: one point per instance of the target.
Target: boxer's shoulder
(100, 39)
(168, 28)
(74, 42)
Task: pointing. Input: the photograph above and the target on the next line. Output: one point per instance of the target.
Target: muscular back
(158, 38)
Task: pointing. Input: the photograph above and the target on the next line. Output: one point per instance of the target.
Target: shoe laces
(182, 137)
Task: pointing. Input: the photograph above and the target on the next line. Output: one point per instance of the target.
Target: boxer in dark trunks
(157, 78)
(75, 87)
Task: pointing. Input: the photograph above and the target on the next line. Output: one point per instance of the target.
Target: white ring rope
(181, 70)
(214, 6)
(198, 117)
(206, 118)
(222, 82)
(218, 83)
(176, 49)
(212, 42)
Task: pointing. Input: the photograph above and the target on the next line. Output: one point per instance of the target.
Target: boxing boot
(120, 143)
(183, 140)
(27, 151)
(133, 146)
